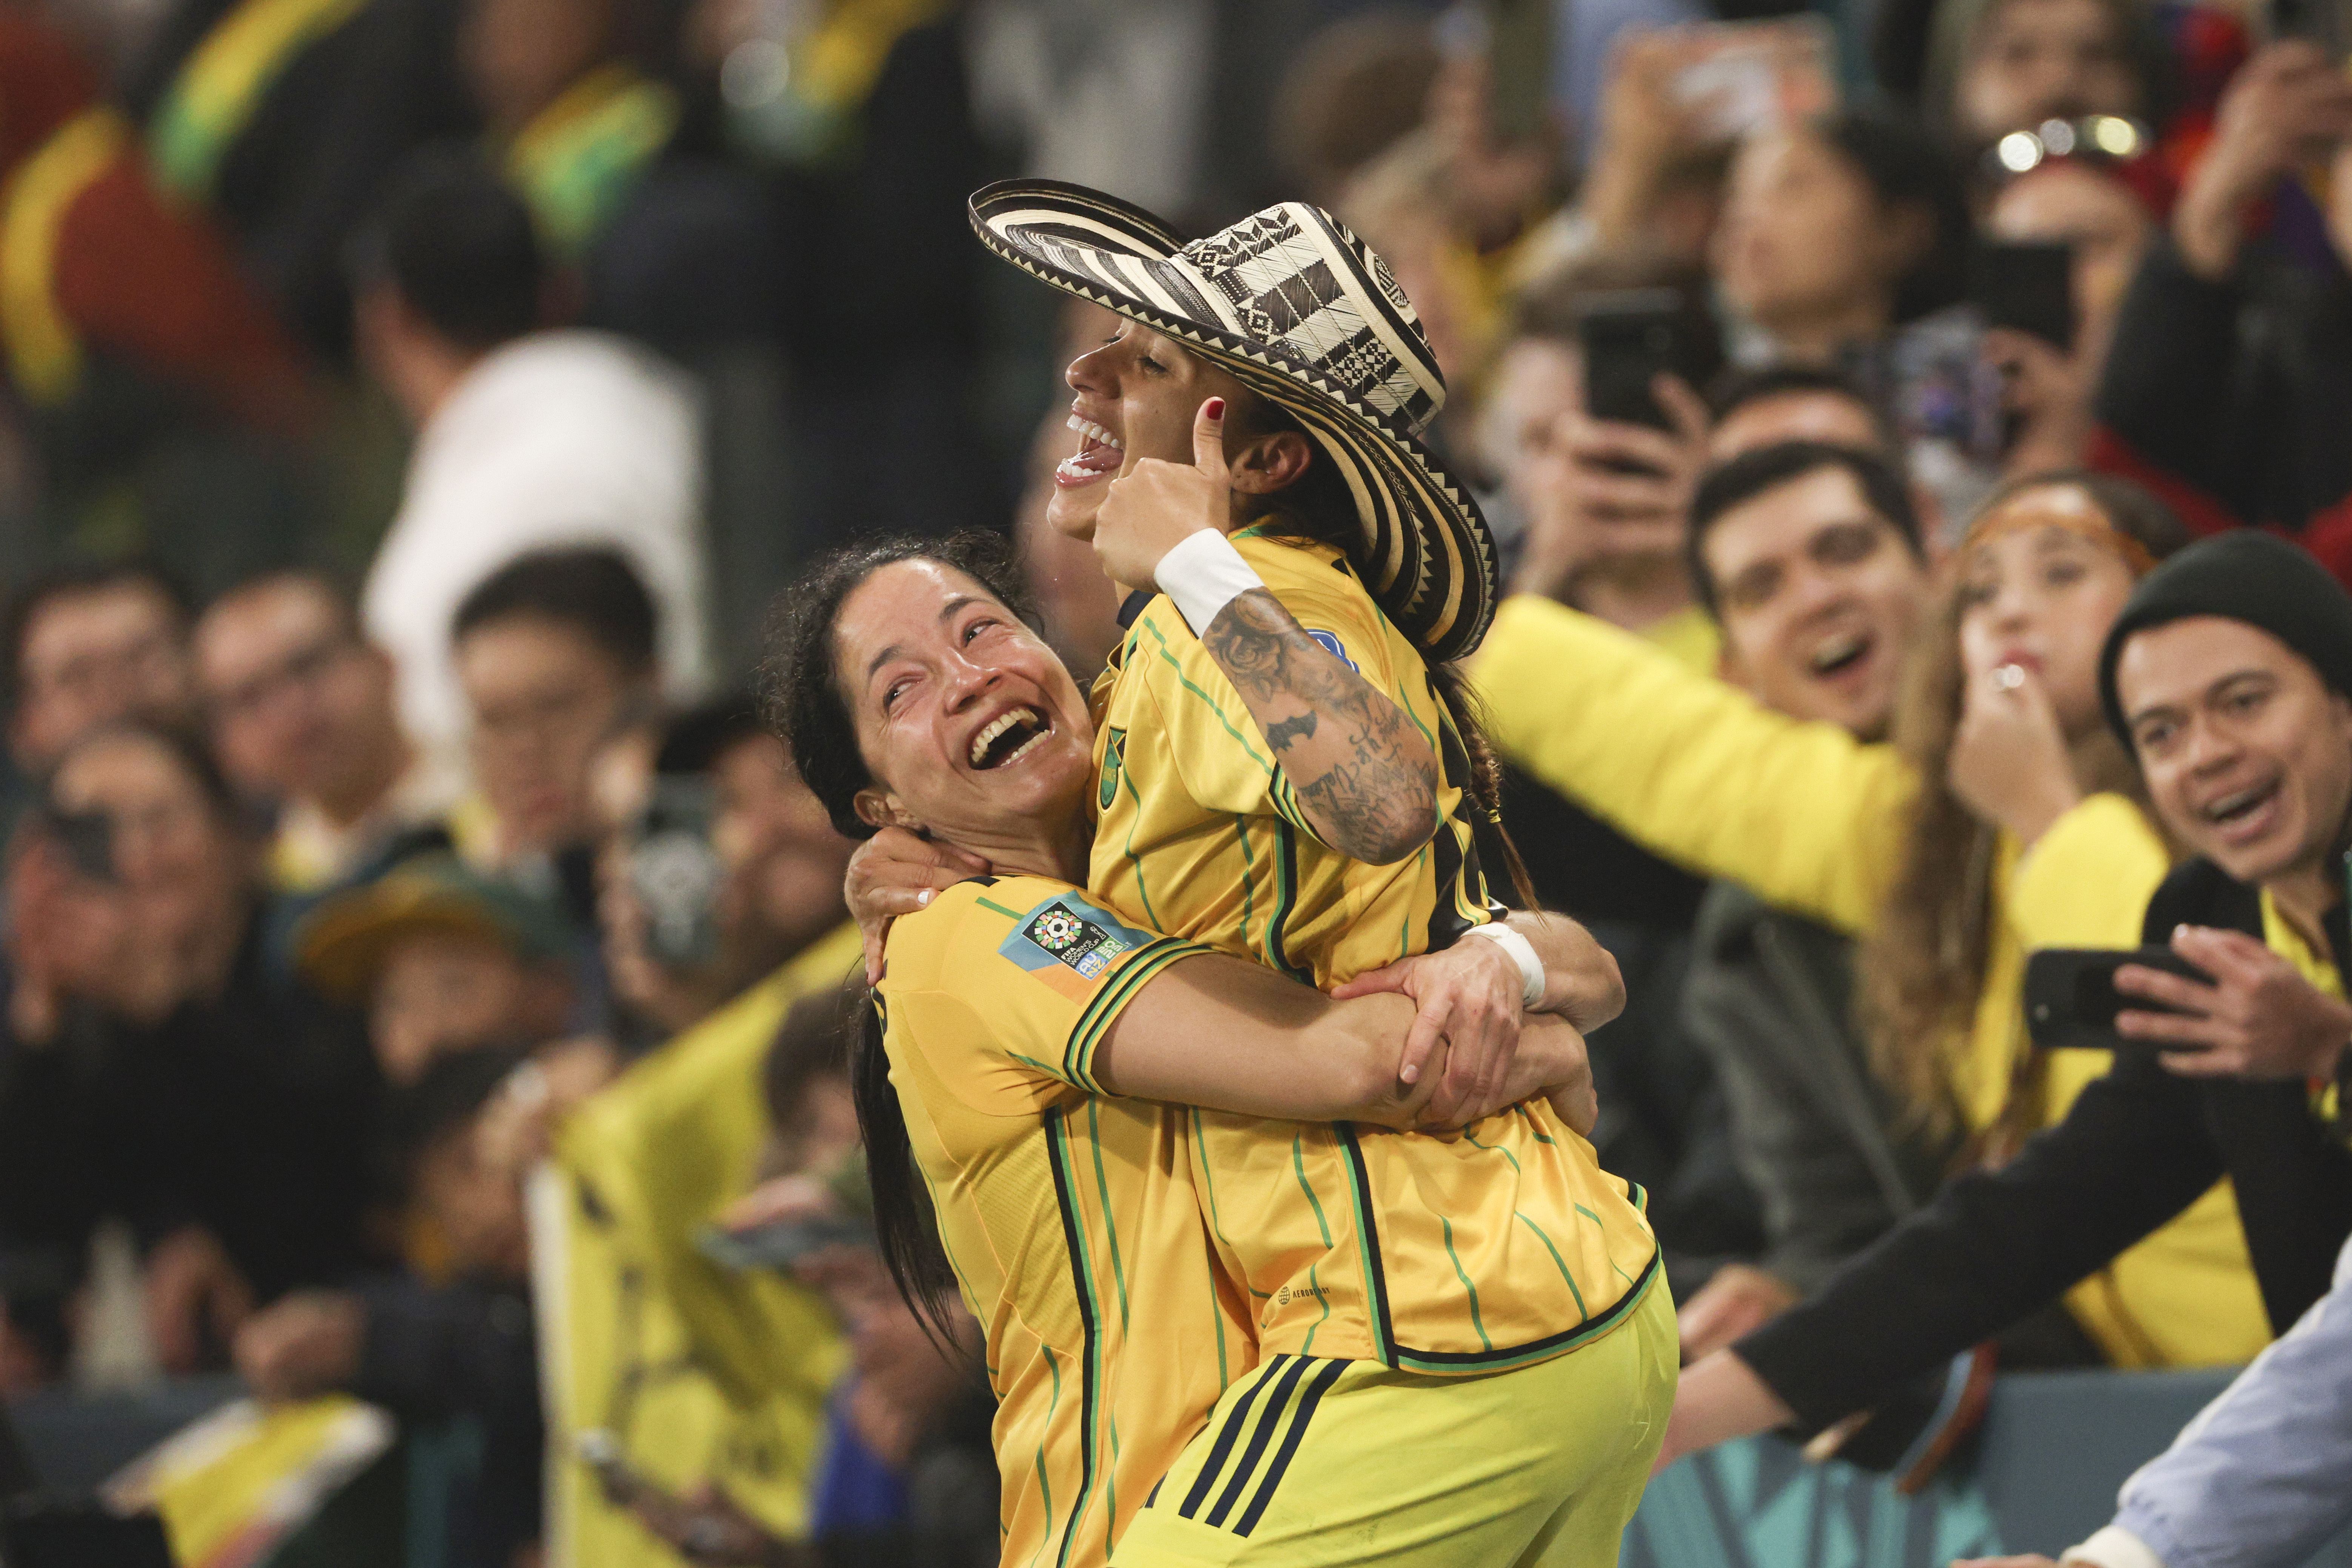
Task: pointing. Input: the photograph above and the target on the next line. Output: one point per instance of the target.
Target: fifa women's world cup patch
(1069, 942)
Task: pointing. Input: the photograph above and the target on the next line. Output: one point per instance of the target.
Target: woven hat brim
(1430, 548)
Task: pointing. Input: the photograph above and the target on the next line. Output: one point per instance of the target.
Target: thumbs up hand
(1157, 504)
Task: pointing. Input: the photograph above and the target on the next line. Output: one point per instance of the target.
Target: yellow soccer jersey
(1490, 1248)
(1069, 1218)
(1199, 832)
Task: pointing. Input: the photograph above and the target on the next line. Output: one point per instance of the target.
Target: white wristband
(1203, 575)
(1523, 953)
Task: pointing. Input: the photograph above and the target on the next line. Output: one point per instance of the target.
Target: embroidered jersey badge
(1114, 763)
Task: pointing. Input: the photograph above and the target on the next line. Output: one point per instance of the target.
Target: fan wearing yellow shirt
(1025, 1022)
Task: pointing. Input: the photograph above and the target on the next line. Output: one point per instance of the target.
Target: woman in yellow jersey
(1009, 1016)
(1919, 847)
(1285, 771)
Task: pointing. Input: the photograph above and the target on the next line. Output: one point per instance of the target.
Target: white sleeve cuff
(1204, 575)
(2114, 1547)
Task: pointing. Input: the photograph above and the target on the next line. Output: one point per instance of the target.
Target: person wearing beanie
(2229, 673)
(2258, 1478)
(2241, 575)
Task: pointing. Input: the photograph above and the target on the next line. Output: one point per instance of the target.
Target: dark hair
(1750, 474)
(1318, 508)
(693, 741)
(1736, 388)
(1353, 90)
(800, 691)
(801, 699)
(336, 593)
(2132, 507)
(906, 1227)
(188, 750)
(457, 244)
(450, 1093)
(81, 578)
(1905, 166)
(812, 1043)
(595, 590)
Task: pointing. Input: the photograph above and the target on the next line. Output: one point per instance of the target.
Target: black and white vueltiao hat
(1303, 312)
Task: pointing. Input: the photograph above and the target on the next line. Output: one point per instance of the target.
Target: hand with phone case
(1609, 495)
(2025, 290)
(69, 924)
(1643, 128)
(2257, 1017)
(1610, 499)
(1673, 93)
(662, 906)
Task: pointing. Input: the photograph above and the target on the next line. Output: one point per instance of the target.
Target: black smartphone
(2029, 286)
(1629, 338)
(2071, 998)
(88, 839)
(781, 1243)
(1519, 63)
(676, 872)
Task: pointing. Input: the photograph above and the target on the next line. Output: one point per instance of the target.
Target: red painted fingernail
(1216, 409)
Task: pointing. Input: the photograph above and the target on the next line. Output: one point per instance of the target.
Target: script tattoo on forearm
(1370, 782)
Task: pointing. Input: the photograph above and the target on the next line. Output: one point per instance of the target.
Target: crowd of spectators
(423, 974)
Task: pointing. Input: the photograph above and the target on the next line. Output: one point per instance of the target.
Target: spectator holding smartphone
(719, 865)
(156, 1067)
(1599, 501)
(729, 1433)
(2088, 205)
(1998, 817)
(2229, 672)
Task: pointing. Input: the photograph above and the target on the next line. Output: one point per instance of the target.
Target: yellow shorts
(1309, 1463)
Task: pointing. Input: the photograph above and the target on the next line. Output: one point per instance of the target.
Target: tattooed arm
(1365, 777)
